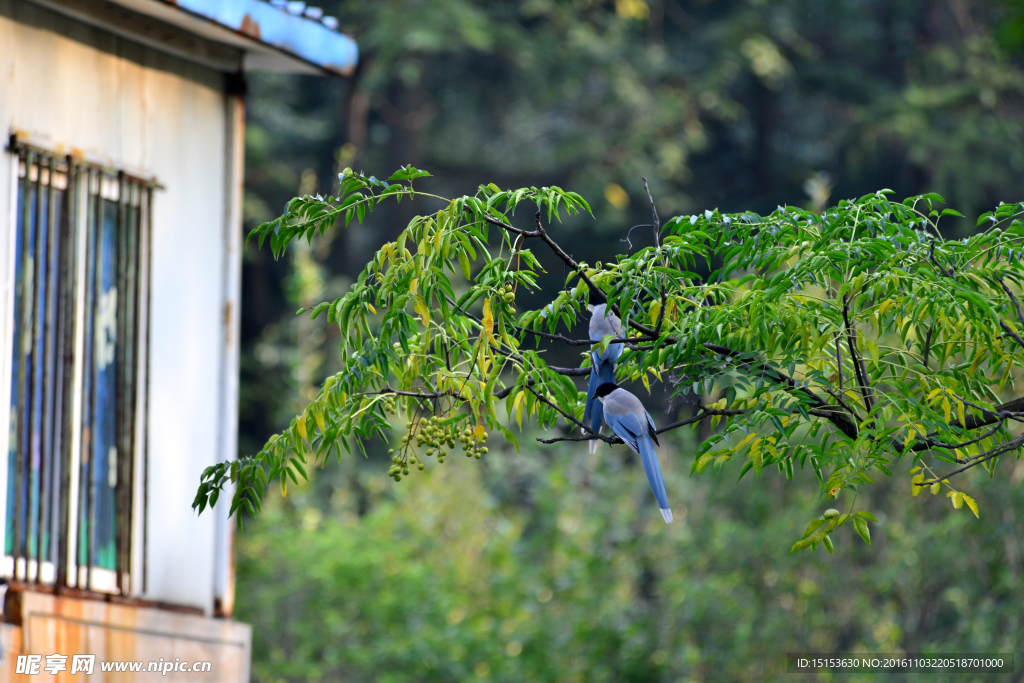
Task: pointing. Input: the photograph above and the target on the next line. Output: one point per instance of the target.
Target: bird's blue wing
(651, 428)
(627, 428)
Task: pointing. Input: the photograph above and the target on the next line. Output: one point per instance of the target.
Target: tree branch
(858, 364)
(839, 362)
(414, 394)
(629, 342)
(704, 413)
(846, 406)
(526, 234)
(837, 417)
(567, 372)
(1013, 300)
(572, 419)
(934, 443)
(1020, 316)
(981, 458)
(1010, 333)
(948, 272)
(928, 343)
(569, 261)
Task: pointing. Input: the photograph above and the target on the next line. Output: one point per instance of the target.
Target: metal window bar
(45, 362)
(89, 382)
(19, 410)
(141, 495)
(66, 352)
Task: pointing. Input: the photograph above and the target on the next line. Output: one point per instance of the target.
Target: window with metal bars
(78, 371)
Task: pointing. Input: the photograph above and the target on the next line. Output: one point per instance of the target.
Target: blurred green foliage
(728, 103)
(548, 566)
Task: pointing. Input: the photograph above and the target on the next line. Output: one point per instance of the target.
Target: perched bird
(602, 366)
(631, 422)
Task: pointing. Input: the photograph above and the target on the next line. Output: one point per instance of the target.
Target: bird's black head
(605, 389)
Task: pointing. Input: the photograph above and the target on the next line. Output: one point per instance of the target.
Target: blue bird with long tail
(602, 365)
(631, 422)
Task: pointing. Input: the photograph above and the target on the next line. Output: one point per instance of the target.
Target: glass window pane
(105, 352)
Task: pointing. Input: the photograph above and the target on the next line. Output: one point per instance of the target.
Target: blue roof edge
(297, 35)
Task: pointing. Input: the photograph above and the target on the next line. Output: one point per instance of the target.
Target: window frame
(91, 190)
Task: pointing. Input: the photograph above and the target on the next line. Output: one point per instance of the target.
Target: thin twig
(569, 261)
(705, 412)
(839, 399)
(981, 458)
(630, 232)
(570, 418)
(654, 213)
(948, 272)
(839, 362)
(953, 446)
(629, 342)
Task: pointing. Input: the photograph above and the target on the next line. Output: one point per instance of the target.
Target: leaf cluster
(837, 343)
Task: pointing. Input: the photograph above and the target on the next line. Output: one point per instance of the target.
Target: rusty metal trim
(18, 143)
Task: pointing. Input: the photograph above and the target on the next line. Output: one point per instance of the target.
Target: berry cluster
(429, 432)
(473, 445)
(509, 297)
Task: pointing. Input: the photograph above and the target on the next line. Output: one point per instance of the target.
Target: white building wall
(168, 121)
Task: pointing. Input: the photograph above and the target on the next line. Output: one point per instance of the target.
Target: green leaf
(862, 528)
(815, 538)
(320, 308)
(464, 262)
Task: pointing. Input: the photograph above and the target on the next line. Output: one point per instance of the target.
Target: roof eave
(272, 39)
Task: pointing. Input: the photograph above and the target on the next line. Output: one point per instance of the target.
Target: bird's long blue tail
(654, 478)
